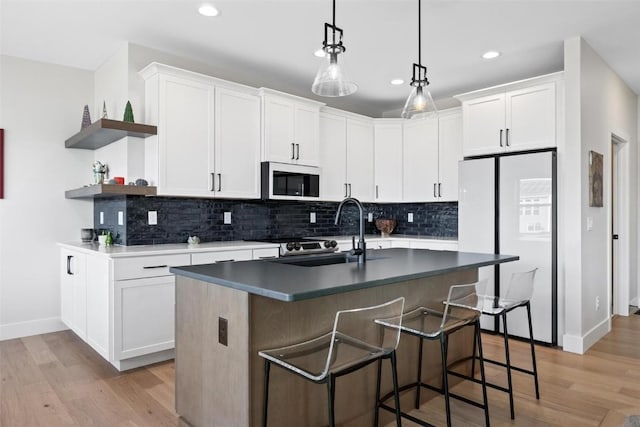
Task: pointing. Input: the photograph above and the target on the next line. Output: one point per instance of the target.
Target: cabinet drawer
(220, 256)
(379, 244)
(148, 266)
(266, 253)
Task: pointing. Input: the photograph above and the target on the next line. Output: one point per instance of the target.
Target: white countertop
(116, 251)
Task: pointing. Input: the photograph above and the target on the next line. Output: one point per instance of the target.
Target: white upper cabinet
(290, 129)
(420, 160)
(515, 117)
(208, 142)
(237, 144)
(388, 160)
(346, 156)
(333, 156)
(432, 149)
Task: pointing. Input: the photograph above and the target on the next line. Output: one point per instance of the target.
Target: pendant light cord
(334, 21)
(419, 33)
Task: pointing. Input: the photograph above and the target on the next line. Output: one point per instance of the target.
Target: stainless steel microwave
(289, 182)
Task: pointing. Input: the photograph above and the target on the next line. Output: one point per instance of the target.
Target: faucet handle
(353, 242)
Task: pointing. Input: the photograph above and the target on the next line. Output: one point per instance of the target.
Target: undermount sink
(320, 260)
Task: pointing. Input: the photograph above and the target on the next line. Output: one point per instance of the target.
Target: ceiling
(271, 42)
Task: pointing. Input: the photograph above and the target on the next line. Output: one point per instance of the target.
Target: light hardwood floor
(57, 380)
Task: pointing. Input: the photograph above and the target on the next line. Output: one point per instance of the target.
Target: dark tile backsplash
(254, 219)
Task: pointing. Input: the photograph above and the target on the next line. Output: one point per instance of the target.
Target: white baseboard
(579, 345)
(32, 327)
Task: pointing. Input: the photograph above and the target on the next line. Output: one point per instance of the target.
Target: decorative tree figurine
(86, 118)
(128, 113)
(104, 110)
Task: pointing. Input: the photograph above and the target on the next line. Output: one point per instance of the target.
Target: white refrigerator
(507, 205)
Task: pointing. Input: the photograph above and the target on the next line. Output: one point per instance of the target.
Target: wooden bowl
(386, 226)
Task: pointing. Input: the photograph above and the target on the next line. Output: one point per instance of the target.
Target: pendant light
(330, 80)
(419, 100)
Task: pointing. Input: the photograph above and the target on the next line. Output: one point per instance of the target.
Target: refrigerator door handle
(501, 138)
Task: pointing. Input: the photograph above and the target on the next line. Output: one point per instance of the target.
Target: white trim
(519, 84)
(580, 345)
(31, 327)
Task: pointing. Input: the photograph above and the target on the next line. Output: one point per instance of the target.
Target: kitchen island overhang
(271, 304)
(287, 282)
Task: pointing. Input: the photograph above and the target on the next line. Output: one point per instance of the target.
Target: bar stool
(461, 309)
(356, 341)
(518, 294)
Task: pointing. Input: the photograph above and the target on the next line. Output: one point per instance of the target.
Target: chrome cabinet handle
(349, 190)
(434, 190)
(293, 151)
(501, 138)
(376, 191)
(147, 267)
(297, 151)
(219, 182)
(69, 265)
(225, 260)
(507, 138)
(345, 190)
(268, 257)
(439, 188)
(213, 182)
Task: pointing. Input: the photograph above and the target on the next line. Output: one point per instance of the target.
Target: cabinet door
(531, 118)
(483, 119)
(185, 137)
(98, 297)
(279, 130)
(360, 160)
(73, 283)
(306, 135)
(237, 145)
(388, 162)
(333, 156)
(449, 154)
(143, 316)
(420, 160)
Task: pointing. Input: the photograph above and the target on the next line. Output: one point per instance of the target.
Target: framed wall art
(595, 179)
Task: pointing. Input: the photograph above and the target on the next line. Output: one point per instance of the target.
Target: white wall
(598, 104)
(40, 106)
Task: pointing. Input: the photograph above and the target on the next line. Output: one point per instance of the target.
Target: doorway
(620, 235)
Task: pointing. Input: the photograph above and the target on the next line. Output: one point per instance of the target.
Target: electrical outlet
(597, 303)
(227, 217)
(370, 217)
(101, 218)
(312, 217)
(410, 217)
(223, 331)
(152, 217)
(120, 218)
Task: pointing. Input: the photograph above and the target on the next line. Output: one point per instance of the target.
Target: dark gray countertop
(287, 282)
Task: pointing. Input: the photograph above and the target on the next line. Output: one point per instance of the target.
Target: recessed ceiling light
(397, 82)
(491, 54)
(208, 10)
(319, 53)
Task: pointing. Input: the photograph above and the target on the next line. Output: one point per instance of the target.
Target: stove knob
(290, 246)
(327, 244)
(297, 246)
(334, 243)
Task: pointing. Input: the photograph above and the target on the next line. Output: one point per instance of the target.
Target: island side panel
(212, 380)
(295, 402)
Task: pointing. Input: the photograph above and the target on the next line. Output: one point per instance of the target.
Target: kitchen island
(227, 312)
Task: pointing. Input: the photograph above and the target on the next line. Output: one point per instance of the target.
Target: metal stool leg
(475, 349)
(265, 402)
(445, 381)
(419, 381)
(331, 394)
(508, 363)
(533, 350)
(377, 414)
(396, 394)
(478, 338)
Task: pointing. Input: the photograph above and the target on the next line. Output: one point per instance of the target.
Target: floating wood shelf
(109, 190)
(105, 131)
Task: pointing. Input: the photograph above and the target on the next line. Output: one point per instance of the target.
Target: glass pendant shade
(419, 103)
(330, 80)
